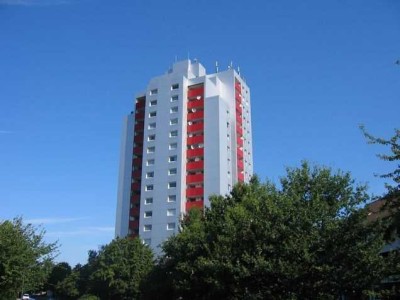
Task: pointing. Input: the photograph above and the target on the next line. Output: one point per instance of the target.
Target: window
(171, 212)
(174, 98)
(148, 201)
(152, 114)
(149, 187)
(172, 184)
(171, 198)
(148, 214)
(173, 133)
(175, 86)
(173, 146)
(151, 149)
(152, 126)
(172, 171)
(173, 109)
(150, 162)
(172, 158)
(170, 226)
(173, 121)
(150, 174)
(147, 242)
(153, 102)
(151, 137)
(154, 92)
(147, 227)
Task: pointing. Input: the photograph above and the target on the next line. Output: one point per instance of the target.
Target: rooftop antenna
(239, 70)
(216, 66)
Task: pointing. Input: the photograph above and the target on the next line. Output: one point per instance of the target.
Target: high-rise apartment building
(188, 137)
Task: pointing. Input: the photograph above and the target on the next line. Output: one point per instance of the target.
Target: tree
(58, 273)
(393, 196)
(119, 268)
(308, 239)
(25, 258)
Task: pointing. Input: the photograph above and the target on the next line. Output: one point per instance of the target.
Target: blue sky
(69, 70)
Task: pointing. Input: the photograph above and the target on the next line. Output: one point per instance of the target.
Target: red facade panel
(192, 204)
(194, 92)
(195, 165)
(194, 178)
(195, 115)
(195, 104)
(195, 127)
(199, 139)
(195, 152)
(194, 192)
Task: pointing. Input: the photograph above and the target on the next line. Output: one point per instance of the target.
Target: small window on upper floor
(174, 98)
(172, 171)
(171, 212)
(173, 146)
(147, 227)
(148, 200)
(153, 102)
(151, 149)
(150, 162)
(172, 184)
(172, 158)
(148, 214)
(147, 242)
(150, 174)
(173, 133)
(175, 86)
(151, 137)
(170, 226)
(173, 121)
(152, 114)
(171, 198)
(149, 187)
(152, 126)
(174, 109)
(154, 92)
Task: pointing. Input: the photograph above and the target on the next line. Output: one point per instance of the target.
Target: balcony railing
(198, 204)
(195, 104)
(195, 152)
(195, 165)
(195, 115)
(196, 92)
(195, 127)
(193, 192)
(194, 178)
(195, 140)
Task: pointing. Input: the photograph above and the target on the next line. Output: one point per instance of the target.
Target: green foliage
(25, 259)
(119, 268)
(393, 196)
(308, 239)
(58, 273)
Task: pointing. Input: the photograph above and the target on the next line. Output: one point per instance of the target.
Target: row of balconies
(194, 92)
(195, 103)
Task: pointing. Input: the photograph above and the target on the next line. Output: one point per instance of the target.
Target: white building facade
(189, 137)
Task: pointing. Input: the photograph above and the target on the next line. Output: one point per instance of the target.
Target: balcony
(198, 204)
(196, 92)
(195, 127)
(239, 119)
(134, 224)
(135, 186)
(240, 165)
(241, 177)
(137, 162)
(194, 178)
(239, 153)
(195, 165)
(138, 150)
(139, 126)
(198, 115)
(137, 174)
(138, 138)
(239, 142)
(193, 192)
(134, 212)
(195, 140)
(195, 104)
(135, 199)
(239, 109)
(195, 152)
(139, 115)
(140, 104)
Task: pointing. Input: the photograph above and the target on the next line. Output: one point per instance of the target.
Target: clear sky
(69, 70)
